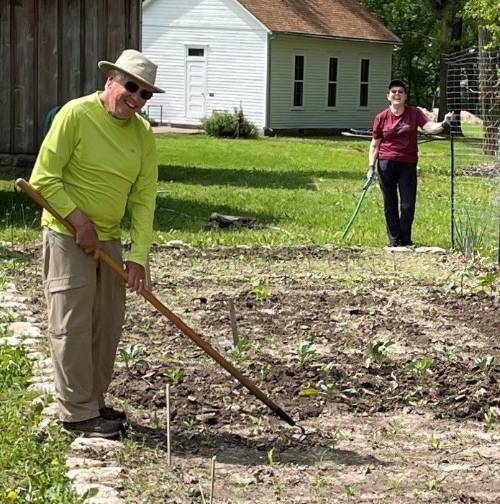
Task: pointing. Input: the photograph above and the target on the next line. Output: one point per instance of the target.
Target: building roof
(344, 19)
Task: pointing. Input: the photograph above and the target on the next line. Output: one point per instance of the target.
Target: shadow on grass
(232, 448)
(248, 177)
(189, 215)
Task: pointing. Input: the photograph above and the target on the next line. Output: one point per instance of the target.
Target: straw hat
(135, 64)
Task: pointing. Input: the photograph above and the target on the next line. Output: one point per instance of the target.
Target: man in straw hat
(98, 159)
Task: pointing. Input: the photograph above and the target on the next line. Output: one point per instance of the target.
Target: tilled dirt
(379, 426)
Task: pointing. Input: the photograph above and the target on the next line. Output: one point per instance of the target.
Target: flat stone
(15, 305)
(397, 249)
(11, 340)
(10, 287)
(45, 423)
(104, 474)
(47, 387)
(82, 444)
(430, 250)
(104, 500)
(103, 491)
(74, 462)
(12, 296)
(51, 410)
(23, 329)
(28, 342)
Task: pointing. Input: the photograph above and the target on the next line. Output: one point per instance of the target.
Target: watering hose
(366, 187)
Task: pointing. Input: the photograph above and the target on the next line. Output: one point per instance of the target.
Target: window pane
(363, 95)
(298, 91)
(365, 67)
(332, 74)
(195, 51)
(299, 67)
(332, 94)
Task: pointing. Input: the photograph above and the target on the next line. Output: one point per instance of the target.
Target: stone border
(91, 465)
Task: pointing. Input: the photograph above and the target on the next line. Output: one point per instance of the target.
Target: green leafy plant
(239, 352)
(305, 351)
(309, 391)
(485, 364)
(176, 376)
(487, 282)
(421, 365)
(434, 443)
(469, 235)
(489, 420)
(229, 124)
(130, 354)
(462, 280)
(349, 490)
(328, 388)
(378, 351)
(270, 457)
(436, 484)
(444, 349)
(260, 289)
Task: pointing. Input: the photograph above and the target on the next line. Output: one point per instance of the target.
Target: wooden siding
(315, 113)
(236, 56)
(49, 51)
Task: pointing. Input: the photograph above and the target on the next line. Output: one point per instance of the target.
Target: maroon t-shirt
(398, 134)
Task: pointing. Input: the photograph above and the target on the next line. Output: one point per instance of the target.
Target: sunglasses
(132, 87)
(397, 91)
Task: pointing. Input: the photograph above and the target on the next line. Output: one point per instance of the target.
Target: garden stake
(185, 329)
(234, 327)
(202, 494)
(366, 186)
(167, 402)
(212, 480)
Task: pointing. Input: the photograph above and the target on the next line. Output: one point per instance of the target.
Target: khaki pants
(86, 306)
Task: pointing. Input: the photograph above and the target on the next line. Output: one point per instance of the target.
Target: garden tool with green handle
(366, 187)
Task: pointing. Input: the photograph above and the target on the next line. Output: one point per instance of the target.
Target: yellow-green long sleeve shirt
(101, 165)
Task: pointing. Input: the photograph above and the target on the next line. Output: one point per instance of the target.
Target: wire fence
(473, 93)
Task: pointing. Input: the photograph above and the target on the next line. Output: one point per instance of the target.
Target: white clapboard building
(290, 64)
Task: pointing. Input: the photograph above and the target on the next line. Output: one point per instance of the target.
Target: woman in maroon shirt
(394, 146)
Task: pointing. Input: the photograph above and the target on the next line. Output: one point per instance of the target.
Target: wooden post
(234, 327)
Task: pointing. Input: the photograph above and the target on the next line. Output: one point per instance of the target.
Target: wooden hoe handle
(185, 329)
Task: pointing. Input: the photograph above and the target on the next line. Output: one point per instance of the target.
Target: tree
(486, 13)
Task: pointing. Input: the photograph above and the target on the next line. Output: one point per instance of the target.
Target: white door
(196, 78)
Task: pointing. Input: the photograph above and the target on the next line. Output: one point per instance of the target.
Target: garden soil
(394, 385)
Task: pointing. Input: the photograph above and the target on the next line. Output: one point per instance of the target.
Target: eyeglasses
(397, 91)
(132, 87)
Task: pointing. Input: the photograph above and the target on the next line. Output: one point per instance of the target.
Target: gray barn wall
(48, 55)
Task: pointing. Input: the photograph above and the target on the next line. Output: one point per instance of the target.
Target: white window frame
(328, 82)
(364, 83)
(294, 80)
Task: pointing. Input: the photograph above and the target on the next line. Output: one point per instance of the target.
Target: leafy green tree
(487, 15)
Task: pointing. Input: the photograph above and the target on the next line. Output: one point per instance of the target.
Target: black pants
(394, 176)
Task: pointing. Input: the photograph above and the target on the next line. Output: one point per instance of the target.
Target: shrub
(229, 124)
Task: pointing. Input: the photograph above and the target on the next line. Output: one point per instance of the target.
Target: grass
(300, 190)
(31, 464)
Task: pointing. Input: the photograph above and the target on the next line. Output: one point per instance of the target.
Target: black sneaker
(95, 427)
(109, 413)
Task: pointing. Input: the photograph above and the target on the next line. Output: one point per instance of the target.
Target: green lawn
(300, 190)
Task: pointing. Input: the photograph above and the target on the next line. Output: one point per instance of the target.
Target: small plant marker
(212, 479)
(202, 494)
(167, 401)
(234, 327)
